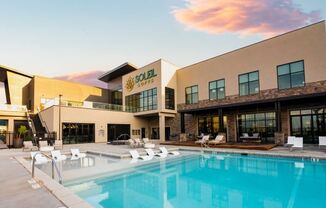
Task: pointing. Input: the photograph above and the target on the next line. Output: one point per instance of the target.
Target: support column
(162, 127)
(278, 116)
(221, 120)
(182, 119)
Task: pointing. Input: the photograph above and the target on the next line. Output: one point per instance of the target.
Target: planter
(18, 142)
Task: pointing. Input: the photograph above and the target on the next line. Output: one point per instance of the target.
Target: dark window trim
(209, 90)
(172, 105)
(304, 75)
(192, 102)
(249, 82)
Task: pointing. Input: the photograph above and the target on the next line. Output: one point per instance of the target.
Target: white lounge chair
(44, 147)
(57, 156)
(219, 139)
(204, 141)
(290, 141)
(138, 142)
(151, 153)
(166, 152)
(39, 158)
(322, 141)
(77, 154)
(135, 155)
(298, 143)
(29, 146)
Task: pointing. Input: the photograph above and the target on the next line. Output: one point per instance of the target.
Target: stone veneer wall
(264, 95)
(231, 128)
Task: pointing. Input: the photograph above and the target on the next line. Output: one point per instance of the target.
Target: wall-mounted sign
(140, 80)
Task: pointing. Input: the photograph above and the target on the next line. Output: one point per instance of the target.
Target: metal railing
(54, 166)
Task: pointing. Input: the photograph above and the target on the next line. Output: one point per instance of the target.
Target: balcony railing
(46, 103)
(14, 108)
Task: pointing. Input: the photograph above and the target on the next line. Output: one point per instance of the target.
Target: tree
(22, 131)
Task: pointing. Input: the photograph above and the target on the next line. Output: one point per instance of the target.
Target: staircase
(36, 125)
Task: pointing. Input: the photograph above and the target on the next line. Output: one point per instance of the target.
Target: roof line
(16, 71)
(116, 68)
(247, 46)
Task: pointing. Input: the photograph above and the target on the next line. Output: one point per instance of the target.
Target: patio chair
(204, 141)
(39, 158)
(76, 154)
(138, 142)
(219, 139)
(148, 144)
(166, 152)
(135, 155)
(132, 143)
(322, 141)
(58, 144)
(44, 147)
(29, 146)
(297, 144)
(151, 153)
(290, 141)
(57, 156)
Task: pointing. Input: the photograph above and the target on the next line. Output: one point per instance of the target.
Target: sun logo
(130, 84)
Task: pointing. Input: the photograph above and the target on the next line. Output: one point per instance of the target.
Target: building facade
(274, 86)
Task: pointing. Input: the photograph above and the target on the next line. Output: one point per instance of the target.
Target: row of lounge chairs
(137, 142)
(57, 156)
(43, 146)
(205, 142)
(151, 154)
(297, 142)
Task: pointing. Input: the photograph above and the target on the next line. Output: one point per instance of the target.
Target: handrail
(43, 123)
(54, 165)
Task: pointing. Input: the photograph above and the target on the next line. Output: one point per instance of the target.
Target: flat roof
(118, 72)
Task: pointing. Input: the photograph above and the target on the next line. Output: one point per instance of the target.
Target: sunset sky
(80, 39)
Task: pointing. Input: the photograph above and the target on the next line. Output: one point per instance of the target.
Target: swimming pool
(210, 180)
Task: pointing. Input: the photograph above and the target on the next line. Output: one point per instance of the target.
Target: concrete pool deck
(19, 192)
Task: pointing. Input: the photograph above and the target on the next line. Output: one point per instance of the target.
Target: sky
(78, 40)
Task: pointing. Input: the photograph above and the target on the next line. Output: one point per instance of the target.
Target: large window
(290, 75)
(210, 124)
(117, 97)
(73, 133)
(192, 94)
(308, 123)
(169, 98)
(217, 89)
(143, 101)
(249, 83)
(262, 123)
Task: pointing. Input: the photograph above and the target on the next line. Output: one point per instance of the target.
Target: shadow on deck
(249, 146)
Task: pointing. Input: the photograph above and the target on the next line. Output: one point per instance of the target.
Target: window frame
(217, 88)
(248, 82)
(169, 96)
(290, 74)
(191, 94)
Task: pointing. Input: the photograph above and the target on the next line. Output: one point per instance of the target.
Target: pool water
(211, 180)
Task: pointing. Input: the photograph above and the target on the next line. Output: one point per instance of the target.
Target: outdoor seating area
(137, 142)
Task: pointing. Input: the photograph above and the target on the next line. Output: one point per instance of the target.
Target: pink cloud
(266, 17)
(87, 77)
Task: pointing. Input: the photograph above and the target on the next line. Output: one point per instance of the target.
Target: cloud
(87, 77)
(245, 17)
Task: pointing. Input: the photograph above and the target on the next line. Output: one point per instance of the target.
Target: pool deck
(20, 191)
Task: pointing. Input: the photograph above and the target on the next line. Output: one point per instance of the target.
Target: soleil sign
(140, 79)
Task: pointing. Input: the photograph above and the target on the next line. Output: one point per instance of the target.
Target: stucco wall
(50, 88)
(308, 44)
(99, 117)
(18, 88)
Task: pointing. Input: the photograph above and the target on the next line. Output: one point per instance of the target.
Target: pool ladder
(54, 166)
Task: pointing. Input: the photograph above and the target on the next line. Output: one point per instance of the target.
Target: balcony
(46, 103)
(12, 110)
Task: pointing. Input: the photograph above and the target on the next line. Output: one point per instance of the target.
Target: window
(169, 98)
(143, 101)
(192, 94)
(262, 123)
(249, 83)
(116, 97)
(74, 133)
(217, 89)
(290, 75)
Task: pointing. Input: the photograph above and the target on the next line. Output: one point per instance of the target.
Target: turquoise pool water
(211, 180)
